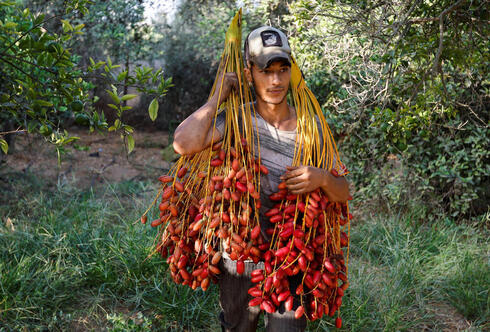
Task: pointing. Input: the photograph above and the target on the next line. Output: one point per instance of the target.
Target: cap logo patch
(271, 38)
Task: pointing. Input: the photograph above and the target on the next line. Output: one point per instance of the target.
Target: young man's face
(271, 84)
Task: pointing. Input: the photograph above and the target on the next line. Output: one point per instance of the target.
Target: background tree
(45, 83)
(405, 81)
(118, 29)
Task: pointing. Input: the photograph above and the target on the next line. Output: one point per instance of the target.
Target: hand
(230, 81)
(303, 179)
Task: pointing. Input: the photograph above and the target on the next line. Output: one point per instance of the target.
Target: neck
(281, 116)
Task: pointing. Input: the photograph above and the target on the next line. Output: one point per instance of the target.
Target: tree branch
(31, 63)
(446, 11)
(485, 125)
(3, 133)
(21, 70)
(423, 20)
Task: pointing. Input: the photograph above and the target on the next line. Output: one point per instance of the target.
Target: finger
(292, 173)
(294, 183)
(232, 80)
(294, 180)
(293, 170)
(296, 186)
(298, 191)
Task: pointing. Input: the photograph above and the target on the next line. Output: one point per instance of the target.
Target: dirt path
(95, 159)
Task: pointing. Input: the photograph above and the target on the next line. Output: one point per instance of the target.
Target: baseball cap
(265, 45)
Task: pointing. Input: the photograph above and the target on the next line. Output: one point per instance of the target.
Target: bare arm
(305, 179)
(195, 133)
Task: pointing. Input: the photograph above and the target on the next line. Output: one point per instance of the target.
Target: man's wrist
(325, 178)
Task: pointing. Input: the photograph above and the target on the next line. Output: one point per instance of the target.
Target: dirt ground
(94, 159)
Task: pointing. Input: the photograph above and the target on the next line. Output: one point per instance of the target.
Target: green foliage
(193, 41)
(402, 265)
(41, 75)
(116, 28)
(121, 323)
(399, 96)
(46, 88)
(77, 258)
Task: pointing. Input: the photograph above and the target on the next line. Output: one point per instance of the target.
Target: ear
(248, 74)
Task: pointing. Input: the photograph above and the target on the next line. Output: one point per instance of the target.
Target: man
(268, 69)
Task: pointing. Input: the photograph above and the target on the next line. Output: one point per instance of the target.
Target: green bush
(409, 110)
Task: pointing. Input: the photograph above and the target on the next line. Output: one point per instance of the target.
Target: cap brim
(278, 58)
(266, 60)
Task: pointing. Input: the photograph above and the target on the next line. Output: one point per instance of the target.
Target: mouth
(275, 91)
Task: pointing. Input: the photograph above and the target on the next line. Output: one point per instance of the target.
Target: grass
(75, 257)
(76, 260)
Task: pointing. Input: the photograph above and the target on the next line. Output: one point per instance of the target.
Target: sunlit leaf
(128, 97)
(153, 109)
(130, 143)
(4, 145)
(66, 26)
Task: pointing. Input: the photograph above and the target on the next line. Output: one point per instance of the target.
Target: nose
(276, 78)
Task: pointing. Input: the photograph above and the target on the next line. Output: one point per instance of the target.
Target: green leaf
(114, 97)
(128, 128)
(10, 25)
(7, 3)
(130, 143)
(31, 126)
(153, 109)
(99, 64)
(122, 75)
(41, 102)
(39, 19)
(128, 97)
(4, 145)
(81, 147)
(71, 139)
(79, 27)
(66, 26)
